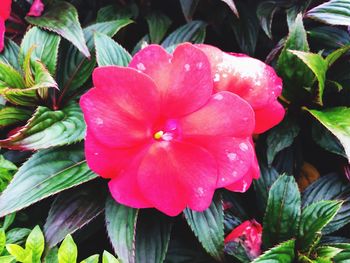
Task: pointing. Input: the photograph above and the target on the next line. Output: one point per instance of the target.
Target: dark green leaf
(265, 12)
(46, 173)
(70, 211)
(334, 12)
(313, 219)
(327, 251)
(46, 47)
(192, 32)
(329, 36)
(17, 235)
(268, 175)
(344, 255)
(294, 72)
(336, 54)
(188, 8)
(319, 67)
(282, 253)
(77, 69)
(330, 187)
(68, 251)
(282, 212)
(49, 128)
(231, 4)
(12, 115)
(121, 223)
(35, 243)
(62, 18)
(51, 256)
(116, 12)
(10, 78)
(152, 237)
(158, 25)
(208, 226)
(281, 137)
(10, 54)
(109, 52)
(337, 121)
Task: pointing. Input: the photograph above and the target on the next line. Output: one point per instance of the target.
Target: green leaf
(344, 255)
(10, 54)
(262, 185)
(245, 28)
(324, 138)
(109, 258)
(152, 237)
(10, 78)
(2, 240)
(319, 67)
(62, 18)
(109, 52)
(46, 47)
(334, 12)
(5, 164)
(77, 69)
(265, 12)
(158, 25)
(19, 253)
(281, 137)
(313, 219)
(330, 187)
(48, 128)
(327, 251)
(68, 251)
(283, 252)
(116, 12)
(46, 173)
(12, 115)
(17, 235)
(7, 259)
(208, 226)
(71, 210)
(231, 4)
(282, 212)
(188, 8)
(36, 243)
(337, 121)
(7, 170)
(51, 256)
(336, 54)
(293, 71)
(331, 37)
(91, 259)
(192, 32)
(121, 224)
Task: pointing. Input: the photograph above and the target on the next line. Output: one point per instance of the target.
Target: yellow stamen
(158, 135)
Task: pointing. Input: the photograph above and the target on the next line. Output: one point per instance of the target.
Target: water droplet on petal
(224, 75)
(243, 146)
(99, 121)
(218, 97)
(140, 66)
(199, 65)
(232, 156)
(96, 153)
(200, 191)
(234, 173)
(216, 77)
(187, 67)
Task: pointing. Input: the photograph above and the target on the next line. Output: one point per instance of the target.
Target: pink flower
(36, 9)
(252, 80)
(249, 234)
(164, 139)
(5, 9)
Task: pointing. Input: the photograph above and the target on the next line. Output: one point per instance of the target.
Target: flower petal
(234, 157)
(36, 9)
(225, 114)
(121, 109)
(245, 182)
(5, 9)
(2, 33)
(107, 162)
(184, 78)
(174, 175)
(268, 117)
(247, 77)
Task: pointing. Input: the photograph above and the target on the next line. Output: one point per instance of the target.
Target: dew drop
(224, 75)
(216, 77)
(234, 173)
(140, 66)
(243, 146)
(218, 97)
(232, 156)
(199, 65)
(187, 67)
(96, 153)
(99, 121)
(200, 191)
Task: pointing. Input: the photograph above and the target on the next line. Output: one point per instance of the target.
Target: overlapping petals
(252, 80)
(164, 136)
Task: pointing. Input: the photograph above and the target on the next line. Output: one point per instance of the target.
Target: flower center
(168, 131)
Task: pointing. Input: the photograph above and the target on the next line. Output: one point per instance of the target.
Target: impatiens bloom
(5, 9)
(161, 134)
(252, 80)
(248, 234)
